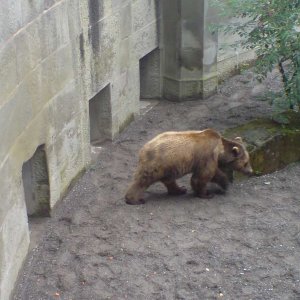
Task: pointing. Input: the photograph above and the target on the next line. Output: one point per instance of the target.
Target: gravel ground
(242, 245)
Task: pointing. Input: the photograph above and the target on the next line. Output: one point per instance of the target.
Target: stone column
(189, 50)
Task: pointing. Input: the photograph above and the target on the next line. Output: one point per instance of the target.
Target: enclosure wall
(55, 56)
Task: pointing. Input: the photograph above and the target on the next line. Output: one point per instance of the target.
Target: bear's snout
(248, 171)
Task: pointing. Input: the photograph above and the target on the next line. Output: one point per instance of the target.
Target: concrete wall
(193, 61)
(190, 50)
(229, 59)
(71, 74)
(55, 56)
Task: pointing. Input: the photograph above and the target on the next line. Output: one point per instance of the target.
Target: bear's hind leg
(173, 188)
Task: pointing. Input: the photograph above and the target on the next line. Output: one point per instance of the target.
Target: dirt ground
(242, 245)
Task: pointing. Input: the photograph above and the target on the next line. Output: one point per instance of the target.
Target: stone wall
(192, 54)
(231, 60)
(71, 74)
(57, 59)
(190, 50)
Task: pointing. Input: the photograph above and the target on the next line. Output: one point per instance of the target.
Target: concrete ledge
(180, 90)
(230, 66)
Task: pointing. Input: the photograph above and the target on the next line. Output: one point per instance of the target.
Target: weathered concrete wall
(231, 60)
(194, 57)
(71, 74)
(190, 50)
(54, 57)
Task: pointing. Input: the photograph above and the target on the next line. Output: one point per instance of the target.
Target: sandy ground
(242, 245)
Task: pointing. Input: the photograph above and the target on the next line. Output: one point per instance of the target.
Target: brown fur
(172, 155)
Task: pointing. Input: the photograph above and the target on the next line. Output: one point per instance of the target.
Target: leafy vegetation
(272, 29)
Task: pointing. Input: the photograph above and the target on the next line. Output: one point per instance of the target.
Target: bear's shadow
(158, 193)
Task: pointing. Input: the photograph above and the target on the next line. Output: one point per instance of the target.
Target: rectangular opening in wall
(36, 184)
(150, 75)
(100, 117)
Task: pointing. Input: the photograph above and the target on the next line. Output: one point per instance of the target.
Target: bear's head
(241, 161)
(236, 156)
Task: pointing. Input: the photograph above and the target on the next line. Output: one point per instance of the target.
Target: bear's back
(182, 146)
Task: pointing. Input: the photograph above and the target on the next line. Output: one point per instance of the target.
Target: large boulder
(272, 144)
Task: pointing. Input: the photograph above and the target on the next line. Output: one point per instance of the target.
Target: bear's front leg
(142, 180)
(200, 178)
(173, 188)
(221, 179)
(134, 195)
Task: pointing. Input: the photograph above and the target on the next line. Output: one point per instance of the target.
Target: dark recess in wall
(94, 17)
(81, 46)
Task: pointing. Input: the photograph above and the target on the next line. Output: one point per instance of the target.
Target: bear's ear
(235, 151)
(238, 139)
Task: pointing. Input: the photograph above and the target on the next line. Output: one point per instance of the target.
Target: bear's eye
(245, 165)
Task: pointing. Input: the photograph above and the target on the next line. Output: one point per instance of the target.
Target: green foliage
(272, 29)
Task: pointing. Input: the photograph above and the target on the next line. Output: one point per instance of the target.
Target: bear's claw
(135, 202)
(205, 196)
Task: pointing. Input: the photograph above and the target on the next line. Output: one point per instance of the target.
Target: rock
(271, 145)
(258, 90)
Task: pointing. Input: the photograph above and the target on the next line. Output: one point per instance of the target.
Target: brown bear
(171, 155)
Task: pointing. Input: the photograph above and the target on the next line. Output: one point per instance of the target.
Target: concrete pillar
(190, 50)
